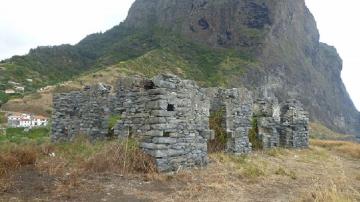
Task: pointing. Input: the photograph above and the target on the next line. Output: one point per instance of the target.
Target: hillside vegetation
(148, 52)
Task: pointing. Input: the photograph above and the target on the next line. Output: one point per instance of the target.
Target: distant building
(14, 83)
(20, 89)
(23, 120)
(37, 121)
(9, 91)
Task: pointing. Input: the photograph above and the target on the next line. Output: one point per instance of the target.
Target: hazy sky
(26, 24)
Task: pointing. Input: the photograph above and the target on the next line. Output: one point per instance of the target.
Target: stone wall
(294, 131)
(237, 104)
(170, 118)
(284, 125)
(267, 115)
(81, 113)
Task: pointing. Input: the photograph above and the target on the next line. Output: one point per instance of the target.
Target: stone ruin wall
(83, 112)
(170, 118)
(284, 125)
(237, 105)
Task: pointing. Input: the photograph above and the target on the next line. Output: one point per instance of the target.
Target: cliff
(280, 35)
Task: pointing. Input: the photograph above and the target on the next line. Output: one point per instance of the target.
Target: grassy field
(32, 168)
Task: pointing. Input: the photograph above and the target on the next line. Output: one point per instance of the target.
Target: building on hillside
(9, 91)
(39, 121)
(23, 120)
(20, 89)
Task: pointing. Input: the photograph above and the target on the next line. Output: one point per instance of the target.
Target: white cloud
(27, 24)
(337, 21)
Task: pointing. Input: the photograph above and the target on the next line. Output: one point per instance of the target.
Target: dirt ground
(308, 175)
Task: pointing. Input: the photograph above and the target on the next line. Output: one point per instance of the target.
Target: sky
(26, 24)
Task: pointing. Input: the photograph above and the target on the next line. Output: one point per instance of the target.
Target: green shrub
(19, 135)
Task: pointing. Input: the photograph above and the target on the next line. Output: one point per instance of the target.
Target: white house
(23, 120)
(38, 121)
(20, 88)
(10, 91)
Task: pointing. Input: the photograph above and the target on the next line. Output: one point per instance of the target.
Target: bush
(19, 135)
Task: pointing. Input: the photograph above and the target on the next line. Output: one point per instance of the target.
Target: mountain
(272, 45)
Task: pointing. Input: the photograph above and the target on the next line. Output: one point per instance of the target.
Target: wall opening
(166, 134)
(148, 85)
(171, 107)
(253, 135)
(217, 124)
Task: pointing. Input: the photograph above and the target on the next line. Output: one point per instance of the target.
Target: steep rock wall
(280, 35)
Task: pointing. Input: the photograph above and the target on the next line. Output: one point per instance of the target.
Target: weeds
(332, 194)
(281, 171)
(244, 166)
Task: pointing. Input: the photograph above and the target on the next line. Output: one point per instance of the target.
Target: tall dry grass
(14, 157)
(81, 155)
(342, 147)
(125, 157)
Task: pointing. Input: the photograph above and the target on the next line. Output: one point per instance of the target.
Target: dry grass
(319, 131)
(335, 192)
(15, 157)
(81, 155)
(109, 169)
(342, 147)
(121, 158)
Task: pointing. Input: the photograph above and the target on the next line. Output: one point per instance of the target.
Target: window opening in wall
(171, 107)
(148, 85)
(167, 134)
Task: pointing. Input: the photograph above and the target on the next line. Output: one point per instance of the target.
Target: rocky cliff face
(281, 36)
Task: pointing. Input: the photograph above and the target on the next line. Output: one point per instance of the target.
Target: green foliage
(79, 148)
(52, 65)
(113, 119)
(253, 135)
(3, 98)
(18, 135)
(216, 122)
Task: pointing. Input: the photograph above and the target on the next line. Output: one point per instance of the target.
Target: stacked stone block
(237, 104)
(267, 115)
(172, 118)
(81, 113)
(294, 131)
